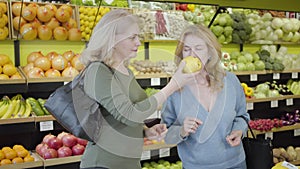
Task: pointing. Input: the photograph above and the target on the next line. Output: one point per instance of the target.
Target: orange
(28, 158)
(18, 147)
(6, 149)
(22, 153)
(5, 161)
(17, 160)
(10, 154)
(2, 155)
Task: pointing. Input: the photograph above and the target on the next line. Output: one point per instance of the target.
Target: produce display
(294, 86)
(15, 107)
(7, 69)
(15, 154)
(4, 29)
(265, 125)
(249, 92)
(45, 21)
(162, 164)
(222, 28)
(52, 65)
(288, 154)
(241, 28)
(150, 142)
(89, 16)
(62, 145)
(199, 14)
(145, 67)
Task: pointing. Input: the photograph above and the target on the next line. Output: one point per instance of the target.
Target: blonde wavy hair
(102, 42)
(213, 67)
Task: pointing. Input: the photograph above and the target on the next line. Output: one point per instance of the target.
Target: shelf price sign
(253, 77)
(295, 75)
(164, 152)
(289, 102)
(297, 132)
(276, 76)
(269, 135)
(274, 103)
(155, 81)
(46, 125)
(146, 155)
(250, 106)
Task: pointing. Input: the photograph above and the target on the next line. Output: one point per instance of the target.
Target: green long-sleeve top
(126, 106)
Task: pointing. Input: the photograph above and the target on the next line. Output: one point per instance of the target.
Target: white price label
(288, 165)
(164, 152)
(269, 135)
(155, 81)
(295, 75)
(46, 125)
(297, 132)
(146, 155)
(289, 102)
(66, 83)
(250, 106)
(276, 76)
(274, 103)
(253, 77)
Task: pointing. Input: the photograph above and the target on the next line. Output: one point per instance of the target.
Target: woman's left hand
(156, 132)
(235, 137)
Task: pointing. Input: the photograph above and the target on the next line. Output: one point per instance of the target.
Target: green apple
(192, 64)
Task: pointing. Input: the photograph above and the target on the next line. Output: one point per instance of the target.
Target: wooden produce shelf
(262, 72)
(59, 161)
(283, 97)
(280, 129)
(36, 163)
(44, 118)
(149, 76)
(16, 120)
(157, 146)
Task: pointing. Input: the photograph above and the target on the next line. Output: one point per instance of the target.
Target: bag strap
(251, 131)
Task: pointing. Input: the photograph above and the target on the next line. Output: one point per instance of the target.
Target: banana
(21, 110)
(28, 109)
(10, 109)
(3, 109)
(16, 110)
(6, 101)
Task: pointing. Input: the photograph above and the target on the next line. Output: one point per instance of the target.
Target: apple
(192, 64)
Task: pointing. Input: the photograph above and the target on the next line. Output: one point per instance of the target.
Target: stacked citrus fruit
(16, 154)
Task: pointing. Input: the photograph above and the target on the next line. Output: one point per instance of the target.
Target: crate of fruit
(5, 25)
(89, 16)
(9, 73)
(44, 21)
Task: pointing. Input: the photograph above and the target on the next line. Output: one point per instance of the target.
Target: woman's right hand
(180, 78)
(190, 125)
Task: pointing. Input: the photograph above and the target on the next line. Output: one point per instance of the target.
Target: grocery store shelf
(288, 5)
(64, 160)
(283, 97)
(250, 72)
(156, 75)
(36, 163)
(157, 146)
(280, 129)
(16, 120)
(44, 118)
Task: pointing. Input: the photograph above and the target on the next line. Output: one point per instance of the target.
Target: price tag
(253, 77)
(297, 132)
(295, 75)
(274, 103)
(276, 76)
(250, 106)
(164, 152)
(288, 165)
(46, 125)
(289, 102)
(146, 155)
(269, 135)
(155, 81)
(66, 83)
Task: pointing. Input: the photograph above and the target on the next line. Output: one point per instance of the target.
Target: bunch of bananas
(15, 107)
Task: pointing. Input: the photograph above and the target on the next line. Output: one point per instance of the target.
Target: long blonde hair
(102, 41)
(213, 67)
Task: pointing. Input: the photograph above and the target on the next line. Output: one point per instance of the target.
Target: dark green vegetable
(42, 102)
(36, 107)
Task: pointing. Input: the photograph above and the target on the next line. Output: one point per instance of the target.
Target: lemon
(192, 64)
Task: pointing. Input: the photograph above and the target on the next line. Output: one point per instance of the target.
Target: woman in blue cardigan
(203, 117)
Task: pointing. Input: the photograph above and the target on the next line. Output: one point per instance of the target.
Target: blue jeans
(94, 168)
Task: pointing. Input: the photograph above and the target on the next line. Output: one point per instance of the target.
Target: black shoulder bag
(259, 154)
(75, 110)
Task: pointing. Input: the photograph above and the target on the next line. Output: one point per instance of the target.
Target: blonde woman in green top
(114, 42)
